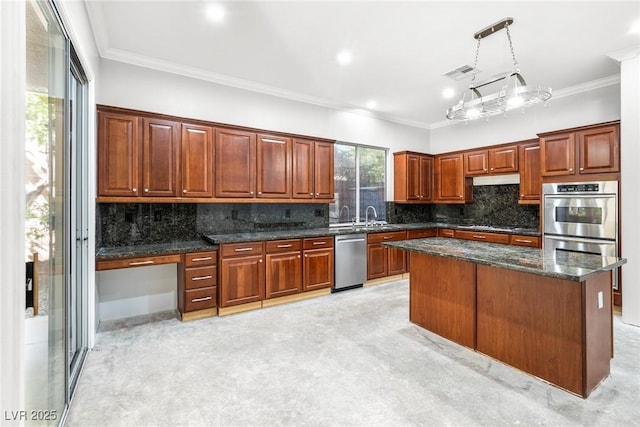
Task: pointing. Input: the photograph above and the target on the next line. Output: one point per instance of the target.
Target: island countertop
(562, 265)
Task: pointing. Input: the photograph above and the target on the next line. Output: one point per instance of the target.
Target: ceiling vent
(461, 72)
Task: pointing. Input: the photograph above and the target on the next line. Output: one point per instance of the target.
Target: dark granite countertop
(211, 242)
(568, 266)
(153, 249)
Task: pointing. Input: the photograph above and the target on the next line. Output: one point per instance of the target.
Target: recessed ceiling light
(215, 13)
(371, 104)
(343, 57)
(448, 93)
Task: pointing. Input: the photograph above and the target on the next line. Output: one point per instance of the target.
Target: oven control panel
(578, 188)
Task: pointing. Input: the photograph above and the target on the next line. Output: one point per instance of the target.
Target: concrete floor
(350, 358)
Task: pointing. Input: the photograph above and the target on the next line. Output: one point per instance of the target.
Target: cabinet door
(197, 161)
(274, 167)
(283, 274)
(160, 158)
(241, 280)
(450, 182)
(503, 159)
(476, 163)
(377, 260)
(318, 269)
(303, 160)
(530, 185)
(598, 149)
(558, 154)
(414, 189)
(323, 170)
(118, 154)
(426, 178)
(397, 261)
(235, 163)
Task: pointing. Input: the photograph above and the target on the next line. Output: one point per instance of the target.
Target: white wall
(595, 106)
(630, 192)
(12, 208)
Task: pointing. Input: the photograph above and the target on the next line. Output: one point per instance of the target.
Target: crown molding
(98, 26)
(200, 74)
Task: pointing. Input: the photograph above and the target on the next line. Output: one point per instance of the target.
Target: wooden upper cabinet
(451, 184)
(530, 183)
(160, 158)
(491, 161)
(589, 150)
(118, 154)
(312, 169)
(197, 161)
(476, 163)
(323, 170)
(557, 154)
(503, 159)
(235, 159)
(274, 167)
(599, 150)
(413, 177)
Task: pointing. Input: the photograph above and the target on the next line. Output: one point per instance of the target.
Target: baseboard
(382, 280)
(199, 314)
(296, 297)
(225, 311)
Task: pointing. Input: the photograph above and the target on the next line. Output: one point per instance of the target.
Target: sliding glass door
(56, 215)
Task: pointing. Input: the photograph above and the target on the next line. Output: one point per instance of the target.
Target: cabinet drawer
(318, 243)
(446, 232)
(199, 299)
(533, 241)
(386, 237)
(138, 262)
(283, 246)
(241, 249)
(200, 277)
(482, 237)
(197, 259)
(421, 234)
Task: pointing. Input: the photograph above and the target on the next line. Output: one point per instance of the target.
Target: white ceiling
(400, 49)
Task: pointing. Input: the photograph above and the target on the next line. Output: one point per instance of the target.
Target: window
(359, 179)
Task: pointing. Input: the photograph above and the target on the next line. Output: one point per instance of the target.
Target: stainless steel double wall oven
(581, 217)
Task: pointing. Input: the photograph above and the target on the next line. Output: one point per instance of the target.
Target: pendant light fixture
(514, 92)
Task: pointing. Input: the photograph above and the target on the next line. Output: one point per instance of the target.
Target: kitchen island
(548, 315)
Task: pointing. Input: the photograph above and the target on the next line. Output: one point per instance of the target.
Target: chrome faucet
(341, 209)
(366, 215)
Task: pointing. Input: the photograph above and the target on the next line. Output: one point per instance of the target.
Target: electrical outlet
(287, 213)
(600, 300)
(234, 214)
(319, 212)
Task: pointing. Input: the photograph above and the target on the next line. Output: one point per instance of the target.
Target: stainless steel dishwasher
(350, 261)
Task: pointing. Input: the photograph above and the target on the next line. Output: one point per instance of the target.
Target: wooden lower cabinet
(318, 267)
(242, 277)
(283, 268)
(197, 282)
(381, 261)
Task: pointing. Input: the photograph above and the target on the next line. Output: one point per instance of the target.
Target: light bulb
(472, 113)
(515, 101)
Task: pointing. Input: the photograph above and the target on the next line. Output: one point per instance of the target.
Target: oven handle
(580, 240)
(578, 196)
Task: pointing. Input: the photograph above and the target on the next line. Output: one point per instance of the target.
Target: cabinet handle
(201, 299)
(184, 191)
(206, 258)
(311, 194)
(259, 192)
(275, 141)
(141, 262)
(195, 279)
(146, 190)
(250, 192)
(319, 243)
(134, 190)
(386, 237)
(523, 241)
(581, 169)
(479, 237)
(243, 249)
(298, 256)
(485, 169)
(570, 169)
(306, 255)
(491, 168)
(259, 260)
(285, 246)
(522, 195)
